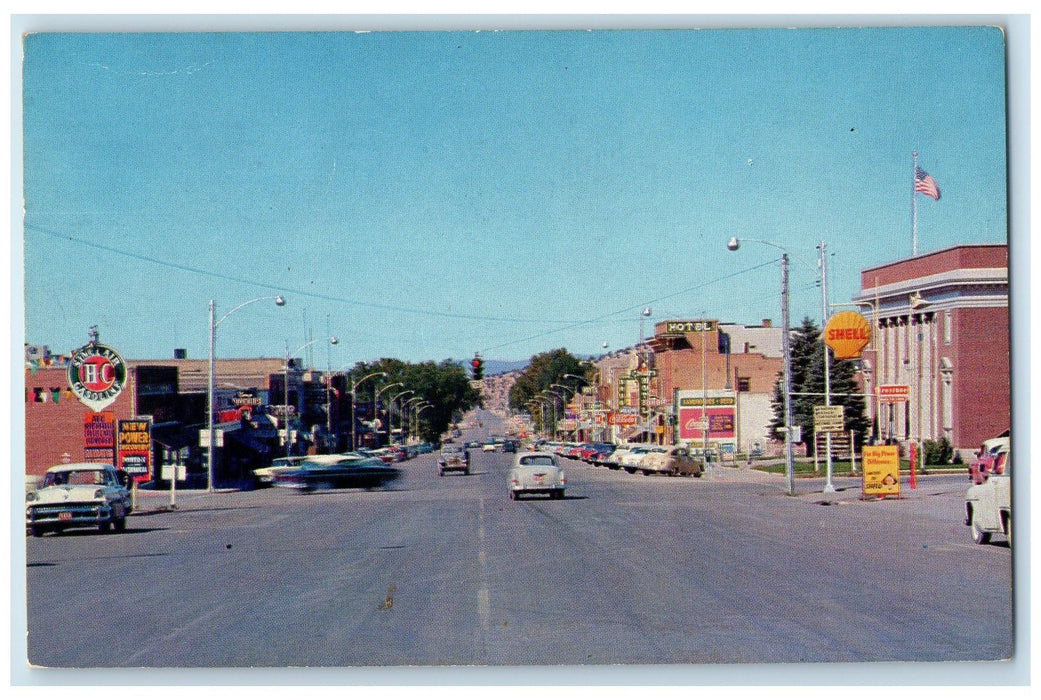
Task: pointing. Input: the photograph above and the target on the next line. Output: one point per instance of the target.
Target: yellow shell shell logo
(846, 333)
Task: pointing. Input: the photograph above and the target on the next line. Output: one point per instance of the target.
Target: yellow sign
(828, 419)
(846, 333)
(881, 470)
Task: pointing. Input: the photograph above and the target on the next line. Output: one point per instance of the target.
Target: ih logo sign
(96, 375)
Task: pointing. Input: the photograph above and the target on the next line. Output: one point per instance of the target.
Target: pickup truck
(453, 458)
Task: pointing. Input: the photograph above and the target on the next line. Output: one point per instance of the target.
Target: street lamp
(786, 351)
(420, 407)
(405, 407)
(354, 403)
(375, 402)
(332, 341)
(390, 414)
(279, 301)
(562, 400)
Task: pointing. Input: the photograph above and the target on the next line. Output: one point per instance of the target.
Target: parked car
(453, 458)
(597, 453)
(338, 471)
(266, 475)
(988, 506)
(983, 462)
(631, 460)
(78, 495)
(490, 447)
(536, 472)
(674, 461)
(614, 460)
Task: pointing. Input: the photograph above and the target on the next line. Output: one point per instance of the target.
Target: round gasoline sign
(846, 333)
(96, 375)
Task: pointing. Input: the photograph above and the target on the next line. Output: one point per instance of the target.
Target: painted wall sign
(99, 437)
(846, 333)
(96, 375)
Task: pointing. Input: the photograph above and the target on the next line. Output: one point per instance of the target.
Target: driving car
(453, 458)
(536, 472)
(79, 495)
(338, 471)
(988, 506)
(266, 475)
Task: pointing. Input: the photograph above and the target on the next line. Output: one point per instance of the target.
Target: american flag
(924, 183)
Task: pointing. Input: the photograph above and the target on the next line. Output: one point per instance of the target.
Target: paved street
(448, 571)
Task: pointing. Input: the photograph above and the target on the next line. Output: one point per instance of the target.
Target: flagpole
(914, 205)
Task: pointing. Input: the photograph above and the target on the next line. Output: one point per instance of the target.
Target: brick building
(942, 329)
(737, 364)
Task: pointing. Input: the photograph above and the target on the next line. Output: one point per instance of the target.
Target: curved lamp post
(414, 423)
(375, 402)
(279, 301)
(562, 400)
(405, 408)
(332, 341)
(354, 403)
(786, 351)
(390, 415)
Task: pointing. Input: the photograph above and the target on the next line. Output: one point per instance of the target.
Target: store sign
(681, 327)
(847, 333)
(96, 375)
(135, 449)
(246, 398)
(99, 437)
(893, 393)
(623, 418)
(881, 470)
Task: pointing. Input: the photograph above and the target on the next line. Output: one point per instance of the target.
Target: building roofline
(948, 249)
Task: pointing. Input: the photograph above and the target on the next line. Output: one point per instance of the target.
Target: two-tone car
(536, 473)
(78, 495)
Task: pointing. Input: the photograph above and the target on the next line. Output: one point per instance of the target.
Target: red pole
(913, 483)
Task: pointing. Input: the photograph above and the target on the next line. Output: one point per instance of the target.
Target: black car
(353, 471)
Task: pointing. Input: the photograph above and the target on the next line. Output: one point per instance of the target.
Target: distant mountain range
(503, 366)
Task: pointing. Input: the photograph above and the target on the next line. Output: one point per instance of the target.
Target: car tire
(105, 527)
(978, 535)
(35, 531)
(1008, 529)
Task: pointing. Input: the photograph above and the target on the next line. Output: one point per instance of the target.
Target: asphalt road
(627, 569)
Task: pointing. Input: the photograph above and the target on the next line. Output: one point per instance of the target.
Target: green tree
(444, 384)
(807, 348)
(544, 370)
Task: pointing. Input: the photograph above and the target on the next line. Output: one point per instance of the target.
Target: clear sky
(426, 195)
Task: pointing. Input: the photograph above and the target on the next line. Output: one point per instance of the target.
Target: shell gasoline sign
(846, 333)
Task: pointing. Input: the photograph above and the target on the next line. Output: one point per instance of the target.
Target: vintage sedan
(338, 472)
(536, 472)
(78, 495)
(988, 506)
(265, 476)
(453, 458)
(674, 461)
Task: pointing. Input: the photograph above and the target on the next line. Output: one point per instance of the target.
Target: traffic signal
(477, 365)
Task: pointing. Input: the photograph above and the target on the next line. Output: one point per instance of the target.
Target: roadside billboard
(135, 449)
(99, 437)
(714, 410)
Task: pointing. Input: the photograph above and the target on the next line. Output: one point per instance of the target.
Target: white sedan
(536, 472)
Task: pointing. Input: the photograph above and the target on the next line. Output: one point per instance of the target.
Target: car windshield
(80, 477)
(450, 449)
(543, 460)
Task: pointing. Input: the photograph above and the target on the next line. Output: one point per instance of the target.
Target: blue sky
(427, 195)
